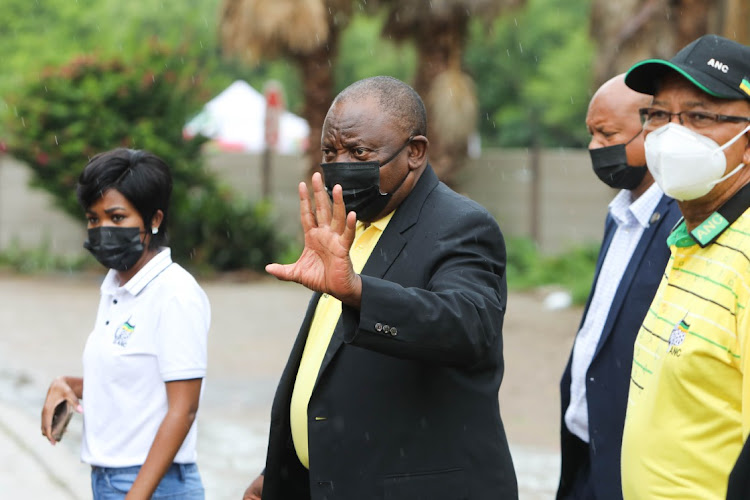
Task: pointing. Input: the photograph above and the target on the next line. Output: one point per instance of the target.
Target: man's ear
(418, 151)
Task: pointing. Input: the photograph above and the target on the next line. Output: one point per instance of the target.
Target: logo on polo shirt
(677, 337)
(122, 335)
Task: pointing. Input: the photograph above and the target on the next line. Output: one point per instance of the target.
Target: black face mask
(611, 166)
(117, 248)
(360, 182)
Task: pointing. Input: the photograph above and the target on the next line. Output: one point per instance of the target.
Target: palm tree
(438, 29)
(659, 28)
(304, 31)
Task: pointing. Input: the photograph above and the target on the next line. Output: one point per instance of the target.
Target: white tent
(234, 120)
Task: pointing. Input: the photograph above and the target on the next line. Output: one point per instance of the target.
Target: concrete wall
(571, 202)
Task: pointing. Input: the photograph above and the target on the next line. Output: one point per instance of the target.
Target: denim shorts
(181, 482)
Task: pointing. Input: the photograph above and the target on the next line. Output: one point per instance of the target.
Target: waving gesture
(324, 265)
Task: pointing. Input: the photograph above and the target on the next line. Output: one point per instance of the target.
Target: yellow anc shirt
(689, 401)
(327, 314)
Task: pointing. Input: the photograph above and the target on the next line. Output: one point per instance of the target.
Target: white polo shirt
(149, 331)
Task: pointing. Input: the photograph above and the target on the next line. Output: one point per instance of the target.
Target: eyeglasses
(652, 118)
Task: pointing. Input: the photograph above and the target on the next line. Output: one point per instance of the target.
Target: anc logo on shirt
(677, 337)
(122, 335)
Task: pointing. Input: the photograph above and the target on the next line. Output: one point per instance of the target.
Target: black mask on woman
(117, 248)
(360, 182)
(611, 166)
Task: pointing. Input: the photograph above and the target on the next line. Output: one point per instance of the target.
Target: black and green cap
(718, 66)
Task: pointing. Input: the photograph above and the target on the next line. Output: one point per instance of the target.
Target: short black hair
(141, 177)
(394, 97)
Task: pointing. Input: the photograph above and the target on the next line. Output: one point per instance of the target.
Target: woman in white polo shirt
(145, 359)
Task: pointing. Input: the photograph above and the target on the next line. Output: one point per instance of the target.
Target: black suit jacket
(608, 376)
(739, 478)
(406, 402)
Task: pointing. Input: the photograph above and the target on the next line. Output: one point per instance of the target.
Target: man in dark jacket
(634, 253)
(391, 389)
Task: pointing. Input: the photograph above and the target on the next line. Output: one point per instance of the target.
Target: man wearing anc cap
(689, 401)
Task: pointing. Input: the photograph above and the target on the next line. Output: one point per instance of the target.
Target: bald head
(612, 119)
(615, 96)
(393, 97)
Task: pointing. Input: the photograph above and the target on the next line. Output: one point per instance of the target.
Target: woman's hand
(255, 490)
(61, 389)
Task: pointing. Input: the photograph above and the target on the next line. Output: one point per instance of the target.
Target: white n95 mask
(685, 164)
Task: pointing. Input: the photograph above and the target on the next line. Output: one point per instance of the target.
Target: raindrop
(571, 99)
(23, 122)
(201, 42)
(520, 47)
(56, 143)
(45, 89)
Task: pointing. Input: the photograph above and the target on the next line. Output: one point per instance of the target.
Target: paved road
(47, 319)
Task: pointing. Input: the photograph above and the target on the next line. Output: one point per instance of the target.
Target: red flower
(42, 158)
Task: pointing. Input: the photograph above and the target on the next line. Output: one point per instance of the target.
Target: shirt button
(114, 301)
(386, 329)
(393, 331)
(106, 322)
(378, 327)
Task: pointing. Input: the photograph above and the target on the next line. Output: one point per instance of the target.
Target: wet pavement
(46, 321)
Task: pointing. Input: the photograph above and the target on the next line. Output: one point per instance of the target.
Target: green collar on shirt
(715, 224)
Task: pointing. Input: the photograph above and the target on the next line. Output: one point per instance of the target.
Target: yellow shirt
(689, 401)
(324, 321)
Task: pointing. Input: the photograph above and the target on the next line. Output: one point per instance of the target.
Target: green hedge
(572, 270)
(89, 105)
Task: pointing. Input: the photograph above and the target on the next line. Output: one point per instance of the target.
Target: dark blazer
(739, 478)
(406, 402)
(608, 376)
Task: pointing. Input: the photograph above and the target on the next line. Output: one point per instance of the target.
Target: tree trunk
(628, 31)
(317, 88)
(440, 44)
(736, 14)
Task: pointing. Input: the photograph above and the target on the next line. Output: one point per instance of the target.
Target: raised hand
(324, 265)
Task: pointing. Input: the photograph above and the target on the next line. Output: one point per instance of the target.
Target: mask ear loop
(633, 138)
(394, 155)
(738, 167)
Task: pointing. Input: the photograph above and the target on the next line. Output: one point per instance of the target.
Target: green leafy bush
(573, 269)
(41, 259)
(91, 105)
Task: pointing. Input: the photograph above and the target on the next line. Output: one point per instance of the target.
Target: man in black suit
(632, 258)
(391, 389)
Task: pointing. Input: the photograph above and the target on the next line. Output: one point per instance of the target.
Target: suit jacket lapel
(388, 248)
(662, 208)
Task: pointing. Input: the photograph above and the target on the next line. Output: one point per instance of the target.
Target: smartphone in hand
(63, 413)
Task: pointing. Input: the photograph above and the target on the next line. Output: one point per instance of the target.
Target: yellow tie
(324, 322)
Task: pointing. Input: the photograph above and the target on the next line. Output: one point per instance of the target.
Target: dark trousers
(580, 488)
